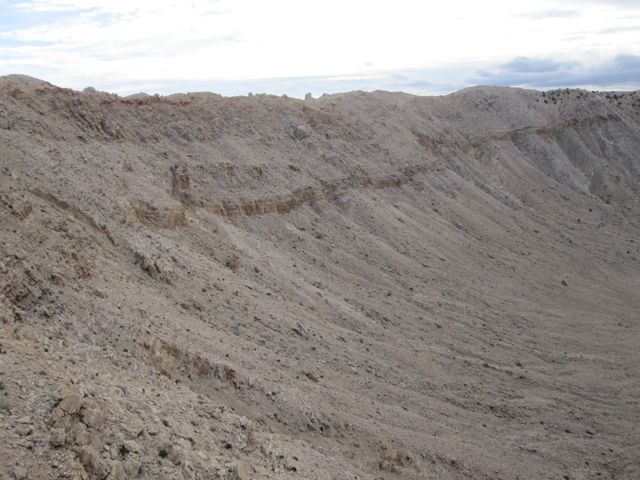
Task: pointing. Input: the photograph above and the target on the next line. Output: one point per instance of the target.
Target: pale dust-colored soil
(358, 286)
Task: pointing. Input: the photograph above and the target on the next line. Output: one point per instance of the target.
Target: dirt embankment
(366, 285)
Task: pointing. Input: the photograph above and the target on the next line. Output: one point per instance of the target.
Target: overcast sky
(321, 46)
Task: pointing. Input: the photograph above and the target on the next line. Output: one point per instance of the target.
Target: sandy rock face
(180, 181)
(366, 285)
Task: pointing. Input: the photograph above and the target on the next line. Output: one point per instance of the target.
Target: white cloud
(552, 13)
(166, 42)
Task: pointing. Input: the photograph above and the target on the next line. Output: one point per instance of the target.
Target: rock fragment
(24, 430)
(131, 446)
(299, 132)
(132, 467)
(57, 437)
(233, 263)
(19, 473)
(92, 463)
(240, 471)
(311, 376)
(188, 471)
(174, 455)
(180, 181)
(71, 403)
(116, 471)
(80, 434)
(93, 417)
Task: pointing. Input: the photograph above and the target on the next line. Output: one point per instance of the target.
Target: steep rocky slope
(367, 285)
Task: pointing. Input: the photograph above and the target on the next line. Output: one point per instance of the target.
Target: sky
(292, 47)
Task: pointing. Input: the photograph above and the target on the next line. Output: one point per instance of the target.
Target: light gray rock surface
(408, 287)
